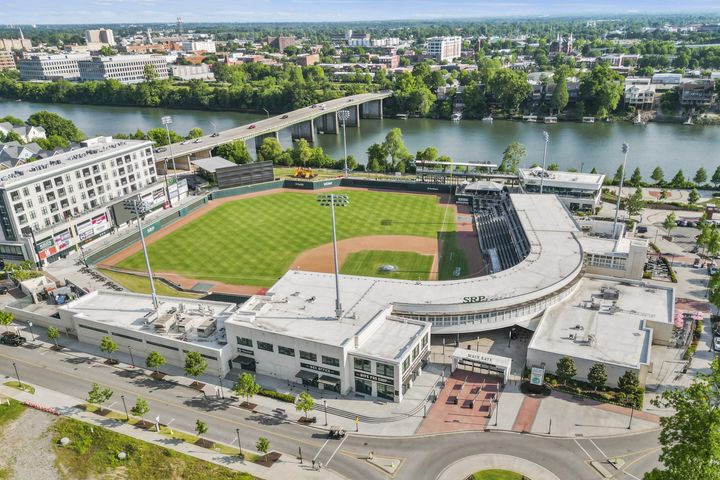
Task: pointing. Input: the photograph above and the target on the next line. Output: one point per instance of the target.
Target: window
(386, 391)
(244, 341)
(15, 196)
(330, 361)
(362, 364)
(265, 346)
(416, 351)
(308, 356)
(406, 363)
(385, 369)
(290, 352)
(363, 386)
(424, 341)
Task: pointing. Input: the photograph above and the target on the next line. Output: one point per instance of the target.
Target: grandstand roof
(554, 260)
(574, 180)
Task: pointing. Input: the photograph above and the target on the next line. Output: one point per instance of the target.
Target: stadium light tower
(140, 208)
(344, 115)
(542, 177)
(625, 149)
(167, 120)
(333, 200)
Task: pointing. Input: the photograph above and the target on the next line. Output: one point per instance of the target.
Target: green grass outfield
(253, 241)
(411, 266)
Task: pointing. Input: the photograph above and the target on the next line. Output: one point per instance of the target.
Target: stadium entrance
(484, 361)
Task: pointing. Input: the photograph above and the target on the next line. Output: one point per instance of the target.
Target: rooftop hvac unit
(610, 293)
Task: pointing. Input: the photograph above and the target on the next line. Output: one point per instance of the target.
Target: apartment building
(281, 43)
(52, 67)
(192, 72)
(104, 36)
(698, 93)
(444, 48)
(10, 44)
(198, 46)
(641, 97)
(7, 60)
(123, 68)
(67, 199)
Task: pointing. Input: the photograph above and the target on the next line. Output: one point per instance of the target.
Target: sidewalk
(287, 467)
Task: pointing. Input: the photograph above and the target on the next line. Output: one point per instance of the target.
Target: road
(423, 457)
(270, 125)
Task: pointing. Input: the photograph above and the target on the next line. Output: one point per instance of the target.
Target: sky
(159, 11)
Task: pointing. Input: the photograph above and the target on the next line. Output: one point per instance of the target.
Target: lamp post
(139, 208)
(167, 120)
(632, 413)
(132, 359)
(625, 148)
(497, 410)
(344, 115)
(542, 177)
(28, 232)
(32, 334)
(268, 113)
(237, 432)
(215, 134)
(334, 200)
(127, 417)
(325, 403)
(17, 375)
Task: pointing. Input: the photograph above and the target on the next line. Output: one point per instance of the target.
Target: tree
(670, 222)
(149, 72)
(565, 369)
(271, 150)
(140, 409)
(700, 176)
(690, 438)
(513, 156)
(618, 175)
(601, 90)
(636, 177)
(154, 361)
(6, 318)
(200, 427)
(246, 386)
(716, 176)
(597, 376)
(628, 383)
(98, 396)
(658, 175)
(510, 88)
(713, 245)
(693, 196)
(53, 334)
(304, 403)
(635, 203)
(195, 364)
(560, 96)
(262, 446)
(235, 151)
(108, 346)
(195, 133)
(107, 51)
(54, 124)
(678, 180)
(553, 167)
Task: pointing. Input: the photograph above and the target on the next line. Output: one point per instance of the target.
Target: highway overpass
(303, 123)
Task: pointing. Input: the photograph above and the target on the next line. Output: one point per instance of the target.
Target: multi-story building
(67, 199)
(27, 133)
(52, 67)
(641, 97)
(359, 40)
(192, 72)
(7, 60)
(307, 59)
(123, 68)
(104, 36)
(699, 93)
(281, 43)
(10, 44)
(577, 191)
(444, 48)
(390, 61)
(198, 46)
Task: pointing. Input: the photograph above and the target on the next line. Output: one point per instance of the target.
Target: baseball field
(254, 240)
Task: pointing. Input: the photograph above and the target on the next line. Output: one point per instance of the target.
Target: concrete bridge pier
(372, 109)
(327, 123)
(261, 138)
(304, 130)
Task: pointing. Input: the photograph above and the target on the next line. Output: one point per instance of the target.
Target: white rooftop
(392, 338)
(212, 164)
(611, 331)
(585, 181)
(555, 259)
(133, 311)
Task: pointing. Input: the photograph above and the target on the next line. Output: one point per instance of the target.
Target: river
(572, 145)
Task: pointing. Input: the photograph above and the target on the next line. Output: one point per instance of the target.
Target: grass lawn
(93, 452)
(10, 411)
(25, 387)
(253, 241)
(452, 258)
(496, 475)
(411, 266)
(142, 285)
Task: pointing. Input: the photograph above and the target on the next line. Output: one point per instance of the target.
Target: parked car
(696, 263)
(641, 229)
(712, 270)
(681, 223)
(336, 432)
(716, 344)
(690, 223)
(12, 338)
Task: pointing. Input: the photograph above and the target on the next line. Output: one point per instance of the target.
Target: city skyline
(165, 11)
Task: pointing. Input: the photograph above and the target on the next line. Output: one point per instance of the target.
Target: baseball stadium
(472, 261)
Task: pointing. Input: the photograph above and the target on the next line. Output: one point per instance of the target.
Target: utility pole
(167, 120)
(139, 208)
(332, 200)
(542, 177)
(625, 148)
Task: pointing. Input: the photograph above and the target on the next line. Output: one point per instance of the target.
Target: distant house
(27, 133)
(14, 153)
(700, 93)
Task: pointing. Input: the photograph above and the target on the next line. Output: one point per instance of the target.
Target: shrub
(283, 397)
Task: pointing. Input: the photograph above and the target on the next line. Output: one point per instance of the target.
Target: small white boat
(488, 119)
(456, 117)
(638, 120)
(530, 118)
(588, 120)
(550, 119)
(688, 121)
(402, 116)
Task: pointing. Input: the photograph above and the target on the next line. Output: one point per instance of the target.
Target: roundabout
(468, 467)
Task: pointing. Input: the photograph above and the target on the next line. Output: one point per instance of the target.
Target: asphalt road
(270, 125)
(422, 457)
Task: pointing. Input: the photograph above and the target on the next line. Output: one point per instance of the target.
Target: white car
(716, 344)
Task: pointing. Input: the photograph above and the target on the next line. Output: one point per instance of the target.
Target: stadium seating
(498, 228)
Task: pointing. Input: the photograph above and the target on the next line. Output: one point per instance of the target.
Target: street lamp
(237, 432)
(139, 208)
(268, 113)
(132, 359)
(325, 402)
(127, 417)
(542, 177)
(17, 375)
(167, 120)
(215, 134)
(32, 335)
(625, 148)
(344, 115)
(334, 200)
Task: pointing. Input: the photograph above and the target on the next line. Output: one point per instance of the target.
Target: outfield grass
(253, 241)
(138, 284)
(496, 475)
(367, 263)
(93, 450)
(452, 258)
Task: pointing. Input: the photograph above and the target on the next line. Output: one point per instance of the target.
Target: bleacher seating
(498, 228)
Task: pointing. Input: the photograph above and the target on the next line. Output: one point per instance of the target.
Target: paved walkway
(526, 416)
(467, 466)
(287, 467)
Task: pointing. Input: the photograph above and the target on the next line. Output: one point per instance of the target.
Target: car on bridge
(185, 142)
(284, 117)
(251, 127)
(198, 140)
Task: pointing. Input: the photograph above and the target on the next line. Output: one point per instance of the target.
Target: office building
(307, 59)
(444, 48)
(9, 44)
(281, 43)
(207, 46)
(123, 68)
(7, 60)
(51, 67)
(67, 199)
(192, 72)
(101, 36)
(577, 191)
